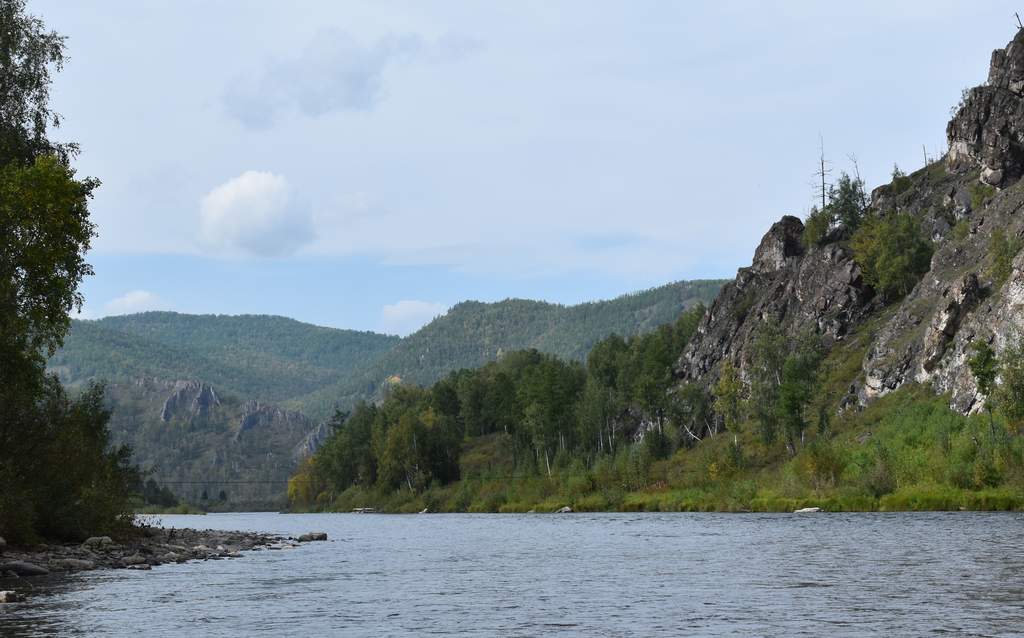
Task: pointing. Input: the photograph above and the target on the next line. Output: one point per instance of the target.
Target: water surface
(578, 574)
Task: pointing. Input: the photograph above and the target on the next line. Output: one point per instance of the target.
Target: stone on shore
(3, 544)
(313, 536)
(134, 559)
(21, 568)
(564, 510)
(807, 510)
(10, 597)
(98, 542)
(72, 564)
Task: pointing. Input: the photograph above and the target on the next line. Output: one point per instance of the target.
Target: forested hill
(208, 402)
(250, 356)
(473, 333)
(314, 369)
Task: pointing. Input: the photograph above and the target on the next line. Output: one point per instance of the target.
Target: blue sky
(368, 164)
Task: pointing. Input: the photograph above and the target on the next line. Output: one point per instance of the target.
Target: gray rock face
(313, 536)
(820, 289)
(10, 597)
(926, 337)
(189, 400)
(312, 441)
(258, 415)
(988, 130)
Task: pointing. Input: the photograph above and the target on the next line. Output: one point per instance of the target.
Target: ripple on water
(586, 574)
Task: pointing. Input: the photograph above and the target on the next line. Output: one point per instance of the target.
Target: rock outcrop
(987, 131)
(928, 336)
(312, 441)
(821, 289)
(961, 202)
(263, 416)
(189, 400)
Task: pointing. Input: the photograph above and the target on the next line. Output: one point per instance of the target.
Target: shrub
(980, 193)
(1002, 250)
(892, 253)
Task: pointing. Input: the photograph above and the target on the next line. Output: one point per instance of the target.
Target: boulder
(3, 544)
(134, 559)
(564, 510)
(807, 510)
(10, 597)
(141, 566)
(98, 542)
(72, 564)
(313, 536)
(21, 568)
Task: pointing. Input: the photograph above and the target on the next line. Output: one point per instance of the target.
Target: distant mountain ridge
(183, 388)
(473, 333)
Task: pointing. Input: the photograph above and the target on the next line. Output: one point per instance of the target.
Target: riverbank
(150, 547)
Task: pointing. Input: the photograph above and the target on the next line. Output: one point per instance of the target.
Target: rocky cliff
(196, 440)
(961, 201)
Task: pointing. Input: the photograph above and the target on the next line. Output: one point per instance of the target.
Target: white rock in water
(807, 510)
(10, 597)
(564, 510)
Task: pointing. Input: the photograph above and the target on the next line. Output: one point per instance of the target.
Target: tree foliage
(60, 478)
(548, 412)
(892, 252)
(846, 208)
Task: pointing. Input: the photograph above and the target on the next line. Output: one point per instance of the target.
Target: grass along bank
(906, 452)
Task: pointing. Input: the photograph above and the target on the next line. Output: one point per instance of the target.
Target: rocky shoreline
(150, 547)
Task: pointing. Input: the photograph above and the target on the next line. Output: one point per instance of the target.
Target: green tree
(892, 253)
(60, 477)
(984, 365)
(817, 226)
(1010, 392)
(848, 202)
(768, 354)
(28, 54)
(728, 393)
(796, 389)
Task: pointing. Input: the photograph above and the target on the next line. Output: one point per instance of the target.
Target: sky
(367, 165)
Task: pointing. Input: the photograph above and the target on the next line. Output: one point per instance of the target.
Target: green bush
(892, 252)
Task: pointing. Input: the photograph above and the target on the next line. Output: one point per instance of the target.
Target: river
(571, 574)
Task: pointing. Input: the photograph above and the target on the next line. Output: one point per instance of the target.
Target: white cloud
(409, 315)
(130, 302)
(255, 213)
